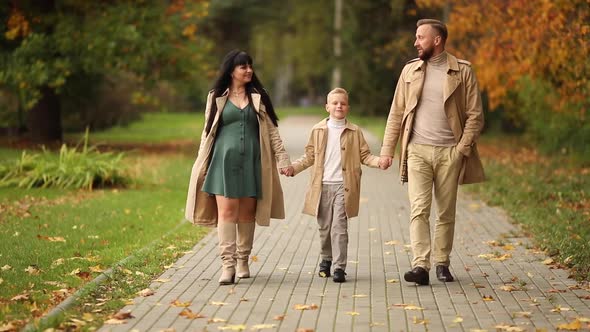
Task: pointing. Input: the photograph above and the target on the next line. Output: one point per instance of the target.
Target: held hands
(385, 162)
(288, 171)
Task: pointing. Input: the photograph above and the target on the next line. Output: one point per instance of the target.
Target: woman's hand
(288, 171)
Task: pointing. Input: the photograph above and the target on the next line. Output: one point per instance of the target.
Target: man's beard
(426, 53)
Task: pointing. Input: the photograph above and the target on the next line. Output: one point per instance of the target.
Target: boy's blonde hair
(337, 91)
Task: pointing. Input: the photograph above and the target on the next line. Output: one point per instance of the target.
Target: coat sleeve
(308, 157)
(365, 152)
(276, 143)
(474, 111)
(394, 120)
(207, 114)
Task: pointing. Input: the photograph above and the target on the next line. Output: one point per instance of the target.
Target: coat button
(343, 148)
(344, 169)
(346, 189)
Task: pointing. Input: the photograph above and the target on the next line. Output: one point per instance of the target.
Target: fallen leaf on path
(312, 306)
(391, 243)
(162, 280)
(548, 261)
(458, 320)
(585, 297)
(560, 309)
(188, 313)
(352, 313)
(508, 288)
(525, 314)
(177, 303)
(218, 303)
(488, 298)
(572, 326)
(373, 324)
(421, 321)
(508, 247)
(146, 292)
(413, 307)
(553, 290)
(509, 328)
(392, 281)
(372, 229)
(123, 315)
(215, 320)
(302, 329)
(262, 327)
(478, 285)
(254, 258)
(232, 327)
(114, 321)
(353, 262)
(279, 317)
(359, 295)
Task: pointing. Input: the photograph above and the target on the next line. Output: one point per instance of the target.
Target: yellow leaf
(32, 270)
(254, 258)
(188, 313)
(488, 298)
(508, 247)
(219, 303)
(96, 269)
(373, 324)
(509, 328)
(262, 327)
(279, 317)
(372, 229)
(560, 309)
(508, 288)
(392, 281)
(359, 295)
(420, 321)
(391, 243)
(232, 327)
(352, 313)
(305, 306)
(215, 320)
(6, 267)
(548, 261)
(413, 307)
(458, 320)
(525, 314)
(177, 303)
(162, 280)
(56, 239)
(114, 321)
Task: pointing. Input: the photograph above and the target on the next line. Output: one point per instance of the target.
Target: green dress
(235, 169)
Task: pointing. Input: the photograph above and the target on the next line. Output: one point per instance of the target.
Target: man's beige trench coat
(354, 151)
(462, 104)
(201, 208)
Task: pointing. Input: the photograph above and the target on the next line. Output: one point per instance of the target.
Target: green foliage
(72, 169)
(560, 132)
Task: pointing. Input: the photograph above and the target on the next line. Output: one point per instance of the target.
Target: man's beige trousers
(432, 169)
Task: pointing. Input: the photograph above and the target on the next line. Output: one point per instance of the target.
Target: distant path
(512, 289)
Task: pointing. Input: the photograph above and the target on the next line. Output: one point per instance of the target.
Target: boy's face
(337, 106)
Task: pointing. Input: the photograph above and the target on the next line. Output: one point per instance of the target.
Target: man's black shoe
(339, 275)
(443, 274)
(325, 268)
(418, 275)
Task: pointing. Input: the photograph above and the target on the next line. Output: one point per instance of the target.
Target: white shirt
(332, 159)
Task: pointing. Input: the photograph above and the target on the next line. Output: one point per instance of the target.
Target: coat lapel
(256, 101)
(220, 102)
(453, 79)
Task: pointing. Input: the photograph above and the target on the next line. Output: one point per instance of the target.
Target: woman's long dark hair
(230, 61)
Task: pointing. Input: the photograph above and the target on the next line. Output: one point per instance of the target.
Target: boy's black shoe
(443, 274)
(339, 275)
(418, 275)
(325, 268)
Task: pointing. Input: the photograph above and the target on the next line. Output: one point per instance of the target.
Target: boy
(336, 149)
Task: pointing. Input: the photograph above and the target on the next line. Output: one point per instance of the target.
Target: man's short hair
(437, 25)
(335, 91)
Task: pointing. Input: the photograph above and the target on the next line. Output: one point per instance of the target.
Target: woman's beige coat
(201, 208)
(354, 152)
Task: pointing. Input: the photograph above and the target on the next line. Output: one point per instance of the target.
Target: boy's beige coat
(463, 107)
(201, 208)
(355, 151)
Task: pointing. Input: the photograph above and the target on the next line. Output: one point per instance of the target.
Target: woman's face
(242, 74)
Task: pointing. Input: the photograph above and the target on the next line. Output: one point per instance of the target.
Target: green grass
(54, 239)
(152, 128)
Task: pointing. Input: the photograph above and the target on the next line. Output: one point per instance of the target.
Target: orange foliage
(506, 40)
(17, 25)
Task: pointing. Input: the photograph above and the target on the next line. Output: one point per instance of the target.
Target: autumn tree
(531, 59)
(47, 46)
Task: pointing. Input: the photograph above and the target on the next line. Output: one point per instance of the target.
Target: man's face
(424, 43)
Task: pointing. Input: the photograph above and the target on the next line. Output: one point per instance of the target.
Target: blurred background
(68, 64)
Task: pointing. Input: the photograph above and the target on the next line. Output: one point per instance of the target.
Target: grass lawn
(53, 241)
(152, 128)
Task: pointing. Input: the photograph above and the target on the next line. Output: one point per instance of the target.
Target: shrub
(73, 168)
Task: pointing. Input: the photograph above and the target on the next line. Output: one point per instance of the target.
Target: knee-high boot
(226, 233)
(245, 241)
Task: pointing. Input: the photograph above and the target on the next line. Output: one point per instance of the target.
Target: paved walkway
(502, 284)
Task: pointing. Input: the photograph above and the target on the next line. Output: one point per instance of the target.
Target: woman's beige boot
(245, 241)
(226, 233)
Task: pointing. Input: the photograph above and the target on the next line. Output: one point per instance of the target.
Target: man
(437, 114)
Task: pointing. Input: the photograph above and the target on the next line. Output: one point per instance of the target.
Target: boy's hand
(288, 171)
(385, 162)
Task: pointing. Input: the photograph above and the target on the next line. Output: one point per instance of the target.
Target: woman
(234, 181)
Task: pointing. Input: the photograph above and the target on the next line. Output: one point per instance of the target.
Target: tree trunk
(336, 73)
(44, 119)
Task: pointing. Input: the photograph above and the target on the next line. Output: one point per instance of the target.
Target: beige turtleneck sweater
(431, 126)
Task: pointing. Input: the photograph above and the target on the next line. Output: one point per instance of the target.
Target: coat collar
(221, 100)
(324, 124)
(452, 64)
